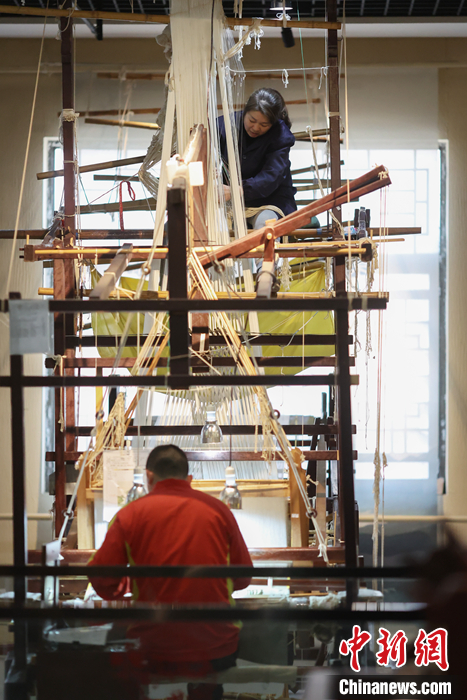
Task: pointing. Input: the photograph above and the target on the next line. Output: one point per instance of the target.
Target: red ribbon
(131, 192)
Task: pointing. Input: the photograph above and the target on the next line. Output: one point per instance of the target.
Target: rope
(132, 194)
(323, 70)
(25, 164)
(246, 365)
(256, 31)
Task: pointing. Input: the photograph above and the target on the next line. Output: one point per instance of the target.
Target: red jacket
(176, 525)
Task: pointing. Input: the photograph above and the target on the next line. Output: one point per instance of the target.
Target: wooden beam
(299, 521)
(164, 430)
(128, 294)
(223, 455)
(142, 234)
(276, 339)
(153, 19)
(155, 110)
(64, 274)
(267, 488)
(94, 166)
(177, 281)
(116, 112)
(309, 554)
(279, 361)
(309, 249)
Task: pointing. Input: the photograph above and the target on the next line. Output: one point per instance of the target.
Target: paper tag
(31, 326)
(119, 466)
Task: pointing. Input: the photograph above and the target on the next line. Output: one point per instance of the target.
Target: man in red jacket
(179, 526)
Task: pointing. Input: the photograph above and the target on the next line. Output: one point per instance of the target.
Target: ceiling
(303, 9)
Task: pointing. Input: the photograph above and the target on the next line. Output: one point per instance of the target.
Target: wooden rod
(249, 75)
(64, 270)
(155, 19)
(35, 253)
(122, 122)
(306, 24)
(94, 166)
(278, 361)
(148, 110)
(130, 205)
(116, 112)
(84, 14)
(116, 178)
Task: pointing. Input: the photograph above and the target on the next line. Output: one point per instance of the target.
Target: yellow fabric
(321, 323)
(114, 324)
(286, 322)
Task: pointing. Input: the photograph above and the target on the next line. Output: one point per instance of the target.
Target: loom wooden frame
(65, 443)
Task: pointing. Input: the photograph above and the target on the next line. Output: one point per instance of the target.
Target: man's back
(176, 525)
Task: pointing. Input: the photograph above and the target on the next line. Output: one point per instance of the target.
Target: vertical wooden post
(299, 522)
(64, 278)
(20, 545)
(177, 279)
(341, 318)
(334, 130)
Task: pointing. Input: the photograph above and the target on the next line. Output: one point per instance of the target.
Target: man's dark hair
(168, 462)
(270, 103)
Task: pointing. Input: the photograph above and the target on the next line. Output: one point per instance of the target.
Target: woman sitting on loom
(264, 143)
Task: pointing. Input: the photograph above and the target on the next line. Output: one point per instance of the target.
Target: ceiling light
(278, 6)
(211, 432)
(230, 495)
(138, 489)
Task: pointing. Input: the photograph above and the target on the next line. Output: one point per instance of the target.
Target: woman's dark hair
(168, 462)
(270, 103)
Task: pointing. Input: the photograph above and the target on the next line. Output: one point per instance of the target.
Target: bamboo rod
(122, 122)
(154, 19)
(248, 487)
(415, 518)
(94, 166)
(325, 249)
(116, 112)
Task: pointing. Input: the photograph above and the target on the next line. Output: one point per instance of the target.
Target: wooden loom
(183, 369)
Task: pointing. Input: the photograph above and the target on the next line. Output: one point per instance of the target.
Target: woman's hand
(227, 193)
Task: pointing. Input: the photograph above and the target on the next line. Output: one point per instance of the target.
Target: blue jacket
(265, 165)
